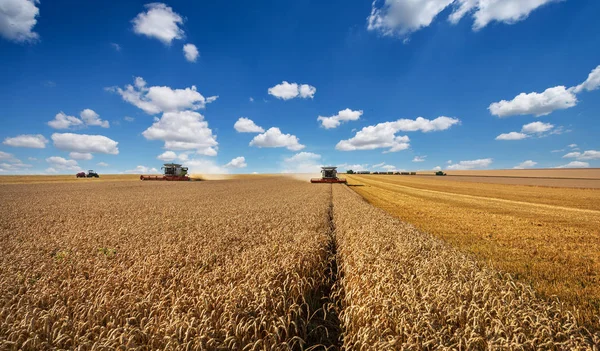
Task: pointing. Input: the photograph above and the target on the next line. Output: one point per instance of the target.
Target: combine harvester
(172, 172)
(328, 175)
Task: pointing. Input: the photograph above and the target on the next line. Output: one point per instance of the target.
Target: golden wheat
(405, 289)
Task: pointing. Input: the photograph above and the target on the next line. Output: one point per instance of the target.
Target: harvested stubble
(235, 264)
(405, 289)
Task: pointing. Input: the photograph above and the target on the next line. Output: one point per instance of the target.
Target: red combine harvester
(329, 175)
(172, 172)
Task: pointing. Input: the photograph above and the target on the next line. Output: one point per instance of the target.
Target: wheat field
(259, 263)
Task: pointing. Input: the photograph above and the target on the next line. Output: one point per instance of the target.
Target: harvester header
(172, 172)
(328, 175)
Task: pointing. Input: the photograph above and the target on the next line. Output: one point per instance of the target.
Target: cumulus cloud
(156, 99)
(17, 19)
(84, 143)
(525, 164)
(238, 162)
(81, 155)
(59, 163)
(274, 138)
(190, 51)
(102, 164)
(383, 135)
(91, 118)
(512, 136)
(536, 128)
(586, 155)
(15, 166)
(288, 91)
(402, 17)
(572, 145)
(129, 119)
(184, 130)
(36, 141)
(342, 116)
(591, 83)
(437, 168)
(5, 156)
(575, 164)
(528, 130)
(246, 125)
(63, 121)
(537, 104)
(160, 22)
(419, 158)
(169, 156)
(142, 170)
(471, 164)
(344, 167)
(88, 117)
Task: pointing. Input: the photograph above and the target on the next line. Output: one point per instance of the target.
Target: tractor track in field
(327, 330)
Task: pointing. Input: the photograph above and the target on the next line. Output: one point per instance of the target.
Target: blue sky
(398, 84)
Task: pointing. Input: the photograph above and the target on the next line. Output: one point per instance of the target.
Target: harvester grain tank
(171, 172)
(328, 175)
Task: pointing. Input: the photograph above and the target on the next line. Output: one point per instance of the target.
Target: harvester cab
(171, 171)
(328, 175)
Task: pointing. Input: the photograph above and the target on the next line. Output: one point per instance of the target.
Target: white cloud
(142, 170)
(379, 165)
(116, 46)
(512, 136)
(437, 168)
(63, 121)
(84, 143)
(204, 166)
(191, 52)
(17, 19)
(378, 136)
(449, 162)
(274, 138)
(557, 98)
(238, 162)
(288, 91)
(472, 164)
(91, 118)
(184, 130)
(572, 146)
(342, 116)
(487, 11)
(169, 156)
(575, 164)
(424, 125)
(129, 119)
(160, 22)
(402, 17)
(383, 135)
(419, 159)
(156, 99)
(586, 155)
(356, 167)
(59, 163)
(246, 125)
(302, 162)
(536, 127)
(591, 83)
(81, 155)
(389, 168)
(16, 166)
(5, 156)
(102, 164)
(36, 141)
(525, 164)
(251, 99)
